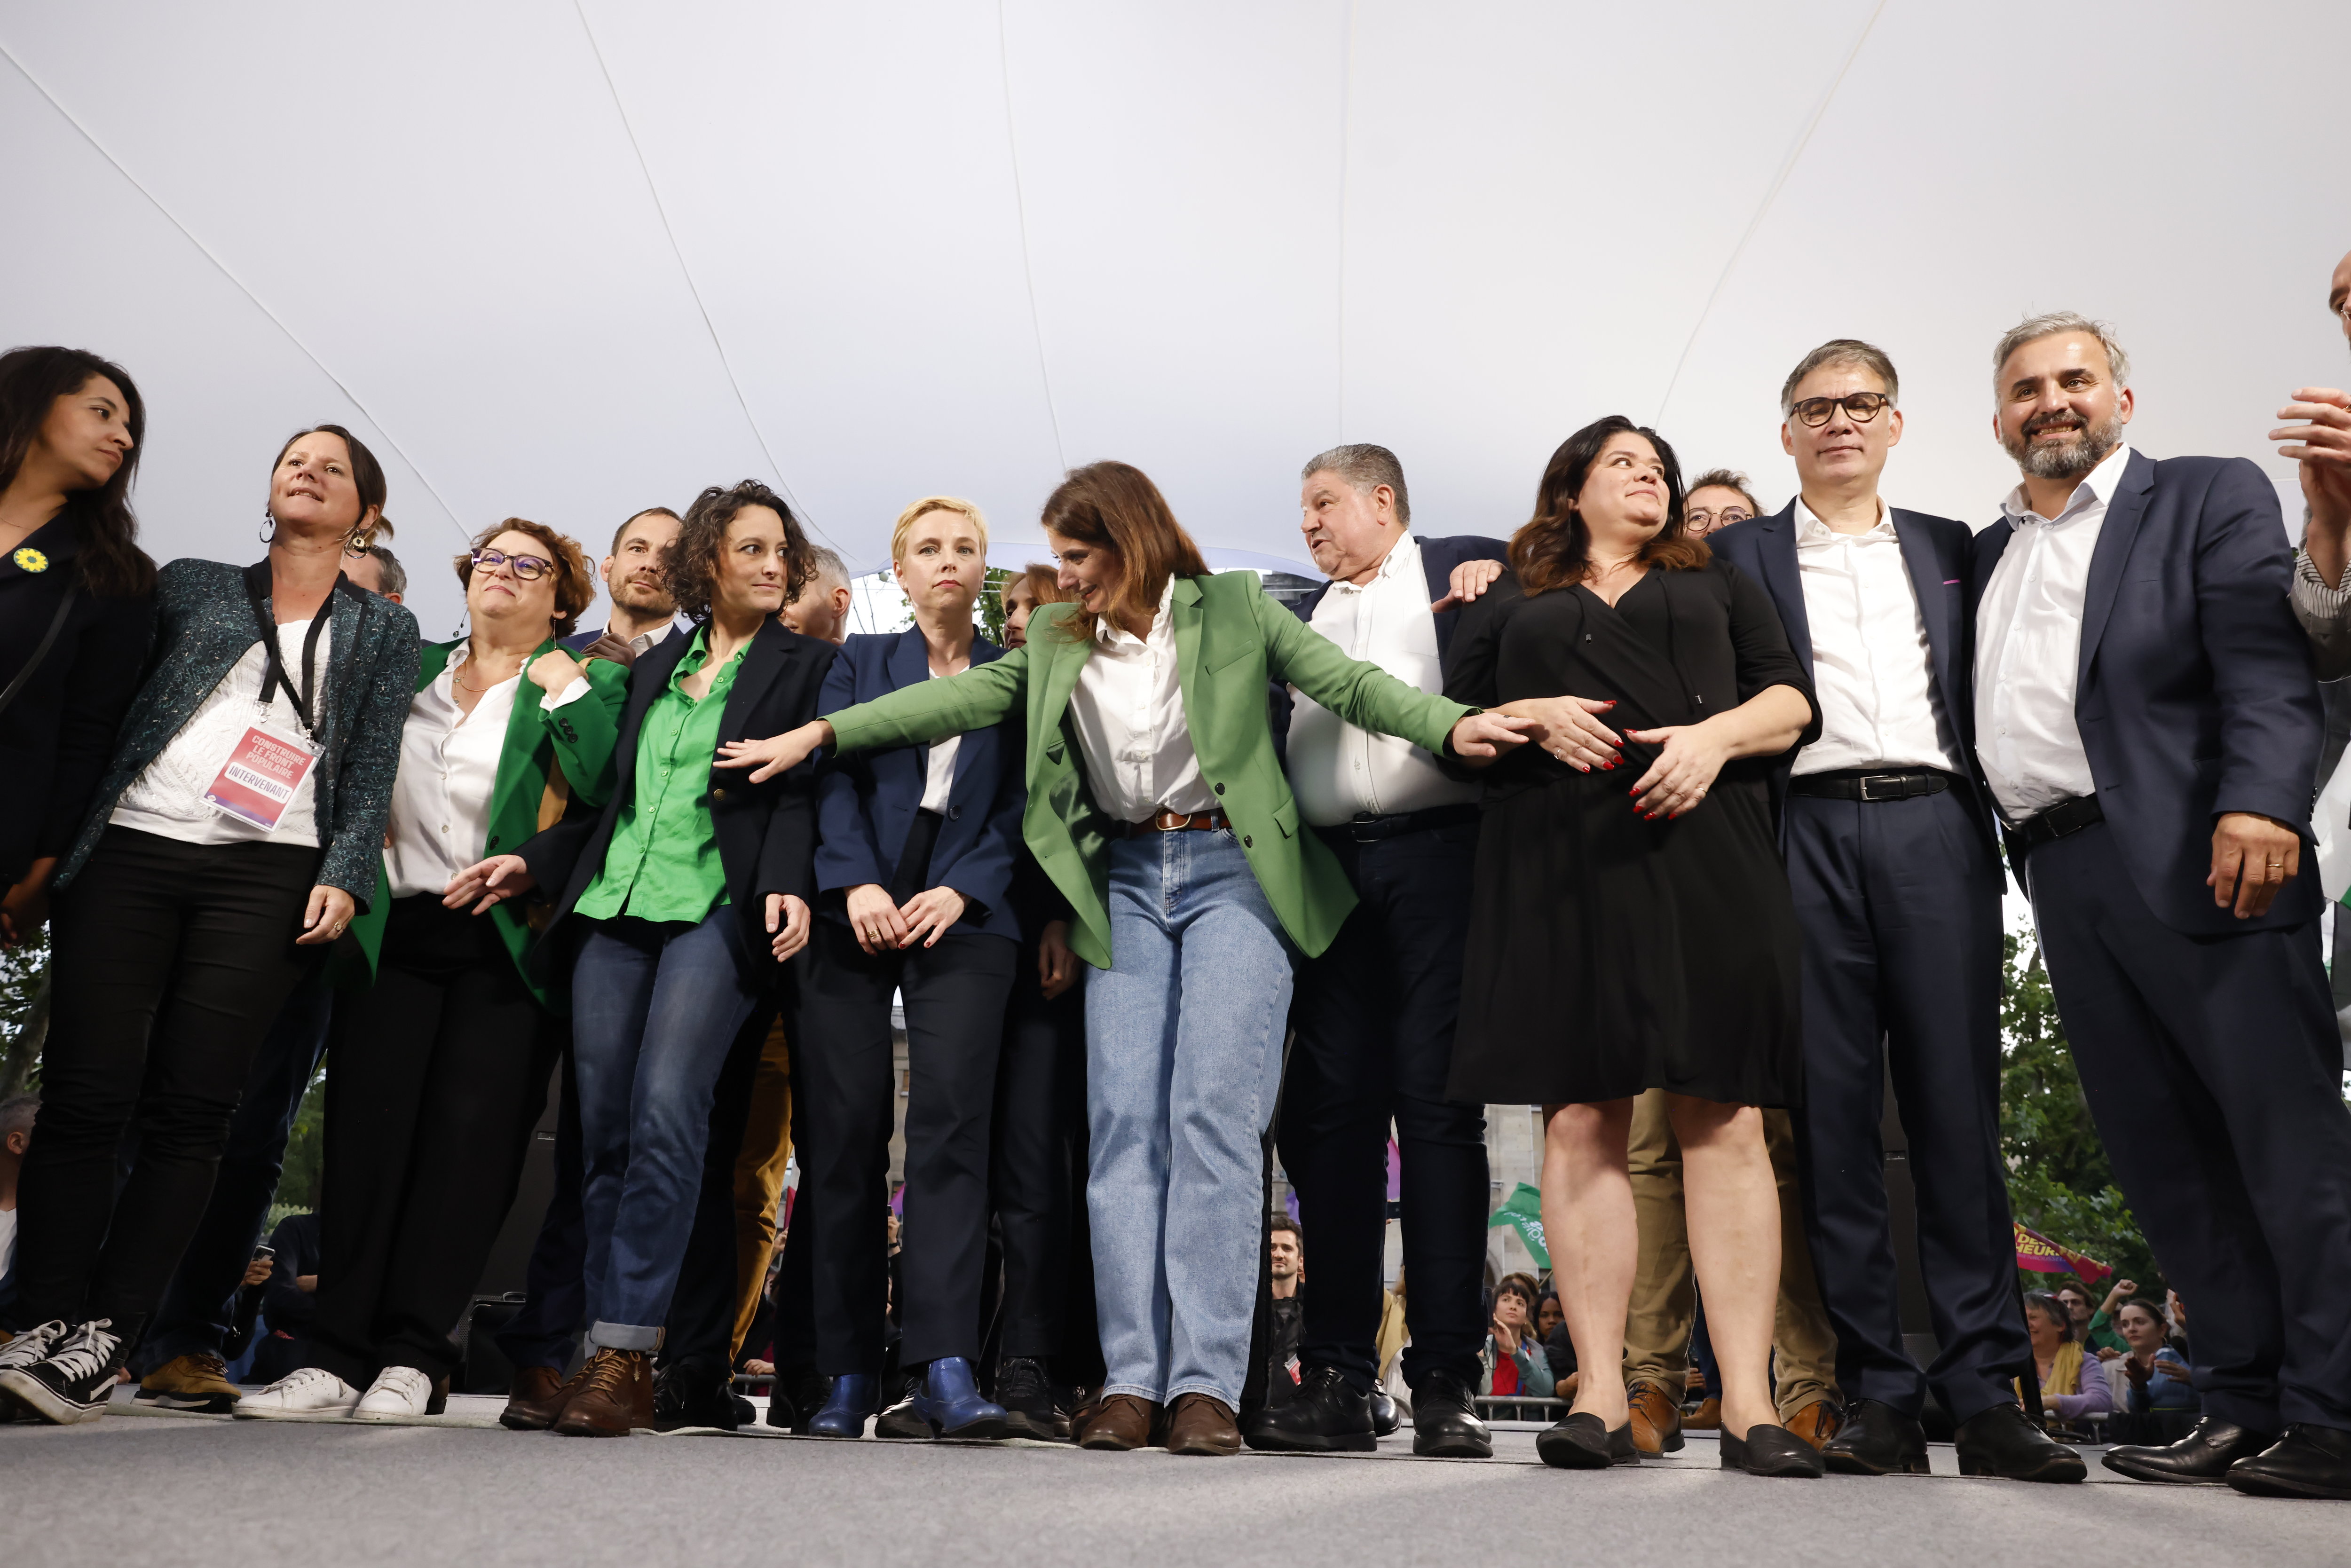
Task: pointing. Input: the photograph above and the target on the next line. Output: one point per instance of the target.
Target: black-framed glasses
(526, 567)
(1861, 407)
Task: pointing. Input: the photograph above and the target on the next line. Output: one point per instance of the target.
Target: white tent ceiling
(566, 260)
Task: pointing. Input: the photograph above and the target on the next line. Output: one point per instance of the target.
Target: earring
(356, 543)
(268, 528)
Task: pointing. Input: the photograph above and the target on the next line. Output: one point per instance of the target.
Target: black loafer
(1877, 1439)
(1582, 1443)
(1771, 1451)
(2308, 1461)
(2002, 1442)
(1444, 1424)
(2203, 1457)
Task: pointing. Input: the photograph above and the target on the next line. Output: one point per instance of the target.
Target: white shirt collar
(2096, 489)
(1811, 529)
(1403, 555)
(1105, 631)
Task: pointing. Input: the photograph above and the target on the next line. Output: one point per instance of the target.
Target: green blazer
(549, 758)
(1230, 639)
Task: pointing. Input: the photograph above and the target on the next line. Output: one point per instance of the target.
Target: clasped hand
(882, 925)
(1689, 756)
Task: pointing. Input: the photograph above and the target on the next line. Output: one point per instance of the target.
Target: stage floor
(205, 1490)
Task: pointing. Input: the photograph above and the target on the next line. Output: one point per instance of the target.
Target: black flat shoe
(1771, 1451)
(2203, 1457)
(1444, 1424)
(1582, 1443)
(2000, 1442)
(2308, 1461)
(1877, 1439)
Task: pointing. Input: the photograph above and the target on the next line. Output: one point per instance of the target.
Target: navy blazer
(866, 801)
(2195, 692)
(1937, 551)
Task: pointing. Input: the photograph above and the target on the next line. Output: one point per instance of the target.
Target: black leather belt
(1366, 828)
(1860, 784)
(2064, 817)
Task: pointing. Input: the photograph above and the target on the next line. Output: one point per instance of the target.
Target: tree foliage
(23, 1013)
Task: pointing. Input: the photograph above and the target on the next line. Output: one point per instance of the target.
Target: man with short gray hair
(821, 611)
(379, 571)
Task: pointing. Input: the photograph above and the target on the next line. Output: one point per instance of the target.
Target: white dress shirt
(1338, 770)
(938, 780)
(167, 798)
(448, 773)
(1872, 668)
(2029, 645)
(1128, 708)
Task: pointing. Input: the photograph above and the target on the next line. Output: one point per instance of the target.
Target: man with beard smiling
(2147, 723)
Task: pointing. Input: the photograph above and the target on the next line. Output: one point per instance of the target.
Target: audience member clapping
(1514, 1359)
(2067, 1394)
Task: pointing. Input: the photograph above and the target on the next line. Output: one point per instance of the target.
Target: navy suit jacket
(1936, 550)
(866, 800)
(2195, 692)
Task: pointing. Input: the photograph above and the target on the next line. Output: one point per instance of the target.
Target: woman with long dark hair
(1632, 927)
(236, 832)
(1158, 809)
(77, 604)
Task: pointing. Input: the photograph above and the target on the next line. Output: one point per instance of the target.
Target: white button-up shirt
(2028, 646)
(939, 775)
(1128, 709)
(1872, 668)
(1338, 770)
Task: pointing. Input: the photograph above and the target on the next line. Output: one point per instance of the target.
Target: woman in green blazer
(442, 1042)
(1158, 808)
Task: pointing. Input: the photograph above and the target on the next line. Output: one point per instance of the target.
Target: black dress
(1607, 955)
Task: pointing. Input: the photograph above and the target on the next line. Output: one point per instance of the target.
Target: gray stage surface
(202, 1491)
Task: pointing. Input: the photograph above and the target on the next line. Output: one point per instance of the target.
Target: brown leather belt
(1177, 822)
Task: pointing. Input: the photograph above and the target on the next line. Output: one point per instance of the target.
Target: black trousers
(2213, 1067)
(1037, 1175)
(1374, 1020)
(171, 961)
(701, 1324)
(554, 1314)
(1898, 906)
(435, 1081)
(953, 996)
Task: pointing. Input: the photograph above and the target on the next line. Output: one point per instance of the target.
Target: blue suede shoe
(846, 1408)
(950, 1402)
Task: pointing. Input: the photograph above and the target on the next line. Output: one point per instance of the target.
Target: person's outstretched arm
(912, 716)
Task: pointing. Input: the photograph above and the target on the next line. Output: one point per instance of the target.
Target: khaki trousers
(759, 1178)
(1657, 1323)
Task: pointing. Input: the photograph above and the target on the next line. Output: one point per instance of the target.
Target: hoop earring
(268, 530)
(356, 543)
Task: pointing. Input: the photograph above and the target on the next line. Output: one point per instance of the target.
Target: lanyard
(256, 584)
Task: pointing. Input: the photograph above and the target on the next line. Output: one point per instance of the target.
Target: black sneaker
(1027, 1395)
(1327, 1415)
(75, 1381)
(692, 1393)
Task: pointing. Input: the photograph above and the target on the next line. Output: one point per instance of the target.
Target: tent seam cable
(1771, 195)
(677, 253)
(243, 287)
(1346, 137)
(1020, 215)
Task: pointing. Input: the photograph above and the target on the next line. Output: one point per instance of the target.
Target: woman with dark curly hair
(672, 902)
(1630, 938)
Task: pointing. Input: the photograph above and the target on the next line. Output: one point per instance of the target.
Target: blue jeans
(1182, 1064)
(654, 1007)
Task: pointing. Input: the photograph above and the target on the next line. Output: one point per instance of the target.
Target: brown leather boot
(535, 1399)
(1816, 1423)
(615, 1395)
(1657, 1419)
(1116, 1424)
(1202, 1424)
(1706, 1418)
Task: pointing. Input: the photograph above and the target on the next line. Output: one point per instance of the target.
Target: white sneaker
(398, 1394)
(311, 1391)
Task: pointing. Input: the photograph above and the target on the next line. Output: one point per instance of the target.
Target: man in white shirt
(1374, 1014)
(2148, 726)
(1895, 873)
(643, 609)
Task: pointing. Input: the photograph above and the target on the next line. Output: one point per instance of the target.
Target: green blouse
(663, 860)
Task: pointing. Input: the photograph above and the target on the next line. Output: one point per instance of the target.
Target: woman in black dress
(1632, 927)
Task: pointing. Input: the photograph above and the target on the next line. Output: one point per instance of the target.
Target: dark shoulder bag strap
(48, 640)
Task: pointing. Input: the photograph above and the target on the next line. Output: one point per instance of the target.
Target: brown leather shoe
(1707, 1418)
(1119, 1423)
(1816, 1423)
(535, 1399)
(1657, 1419)
(1202, 1424)
(615, 1396)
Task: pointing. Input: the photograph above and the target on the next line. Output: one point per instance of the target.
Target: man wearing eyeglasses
(1893, 862)
(2320, 441)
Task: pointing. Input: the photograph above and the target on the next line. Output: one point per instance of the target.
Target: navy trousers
(1898, 903)
(2213, 1067)
(554, 1314)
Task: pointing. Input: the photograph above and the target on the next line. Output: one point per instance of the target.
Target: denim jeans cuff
(1229, 1401)
(626, 1336)
(1135, 1390)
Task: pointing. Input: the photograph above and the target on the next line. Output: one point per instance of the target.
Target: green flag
(1523, 1210)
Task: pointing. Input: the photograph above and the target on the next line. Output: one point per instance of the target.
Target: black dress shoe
(799, 1393)
(902, 1422)
(2308, 1461)
(2002, 1442)
(1877, 1439)
(1444, 1424)
(1768, 1450)
(1582, 1443)
(1027, 1395)
(2204, 1455)
(1385, 1417)
(1326, 1416)
(689, 1394)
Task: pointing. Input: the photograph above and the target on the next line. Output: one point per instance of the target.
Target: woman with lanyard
(675, 901)
(238, 830)
(1159, 810)
(442, 1045)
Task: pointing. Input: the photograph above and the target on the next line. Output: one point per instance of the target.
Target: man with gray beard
(2147, 724)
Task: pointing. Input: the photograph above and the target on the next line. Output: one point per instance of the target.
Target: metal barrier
(1510, 1407)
